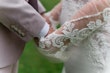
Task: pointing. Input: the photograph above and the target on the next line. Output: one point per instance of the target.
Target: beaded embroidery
(55, 42)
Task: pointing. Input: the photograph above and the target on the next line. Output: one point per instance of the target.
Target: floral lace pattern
(75, 36)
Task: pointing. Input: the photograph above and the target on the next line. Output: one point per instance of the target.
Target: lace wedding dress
(93, 54)
(89, 48)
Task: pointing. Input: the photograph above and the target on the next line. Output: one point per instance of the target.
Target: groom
(19, 23)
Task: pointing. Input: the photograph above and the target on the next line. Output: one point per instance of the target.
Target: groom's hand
(66, 34)
(73, 32)
(36, 39)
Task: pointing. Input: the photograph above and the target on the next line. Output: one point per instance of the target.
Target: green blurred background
(31, 60)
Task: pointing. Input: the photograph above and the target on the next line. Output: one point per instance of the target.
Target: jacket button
(19, 32)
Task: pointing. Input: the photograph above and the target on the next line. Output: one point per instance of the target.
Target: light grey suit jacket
(19, 23)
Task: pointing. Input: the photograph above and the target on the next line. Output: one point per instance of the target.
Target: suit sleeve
(18, 16)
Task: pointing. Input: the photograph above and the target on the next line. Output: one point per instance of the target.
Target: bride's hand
(89, 18)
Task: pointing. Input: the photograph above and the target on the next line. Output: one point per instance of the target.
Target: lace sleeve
(69, 35)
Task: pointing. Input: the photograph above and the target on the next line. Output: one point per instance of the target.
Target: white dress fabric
(88, 50)
(93, 54)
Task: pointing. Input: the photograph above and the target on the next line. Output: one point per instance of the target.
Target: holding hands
(89, 18)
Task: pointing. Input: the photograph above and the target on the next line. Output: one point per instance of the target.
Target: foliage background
(31, 60)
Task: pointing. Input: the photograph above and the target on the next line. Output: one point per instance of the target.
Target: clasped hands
(88, 19)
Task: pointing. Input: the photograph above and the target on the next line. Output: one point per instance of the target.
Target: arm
(88, 19)
(19, 17)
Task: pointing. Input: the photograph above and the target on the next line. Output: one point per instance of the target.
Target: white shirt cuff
(44, 30)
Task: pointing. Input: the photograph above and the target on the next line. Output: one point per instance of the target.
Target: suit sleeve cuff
(44, 30)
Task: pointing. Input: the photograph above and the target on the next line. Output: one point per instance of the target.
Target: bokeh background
(31, 60)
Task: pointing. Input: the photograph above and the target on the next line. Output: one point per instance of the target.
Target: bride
(83, 40)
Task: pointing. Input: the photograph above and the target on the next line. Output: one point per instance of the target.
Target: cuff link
(19, 32)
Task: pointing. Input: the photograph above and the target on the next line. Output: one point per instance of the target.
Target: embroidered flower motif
(106, 14)
(91, 25)
(42, 43)
(58, 40)
(74, 35)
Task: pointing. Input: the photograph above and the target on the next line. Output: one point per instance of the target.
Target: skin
(92, 7)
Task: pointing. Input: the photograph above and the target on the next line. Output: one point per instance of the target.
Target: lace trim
(75, 36)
